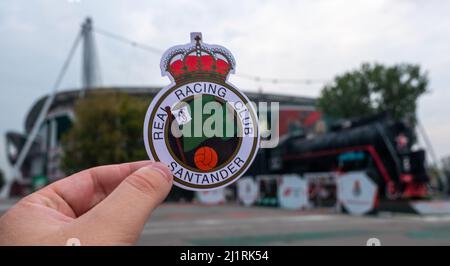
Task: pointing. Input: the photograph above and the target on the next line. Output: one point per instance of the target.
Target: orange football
(205, 158)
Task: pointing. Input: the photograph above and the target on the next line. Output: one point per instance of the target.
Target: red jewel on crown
(197, 60)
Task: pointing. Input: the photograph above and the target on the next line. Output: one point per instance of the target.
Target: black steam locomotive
(378, 145)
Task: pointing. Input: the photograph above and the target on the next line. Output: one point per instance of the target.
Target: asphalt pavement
(194, 224)
(189, 224)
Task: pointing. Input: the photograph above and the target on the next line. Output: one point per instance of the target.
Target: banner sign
(357, 193)
(247, 190)
(293, 192)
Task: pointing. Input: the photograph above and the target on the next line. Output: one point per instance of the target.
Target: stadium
(44, 156)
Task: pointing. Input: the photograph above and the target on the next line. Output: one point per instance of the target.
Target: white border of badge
(157, 152)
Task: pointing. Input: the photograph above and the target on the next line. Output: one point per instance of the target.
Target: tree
(375, 88)
(107, 129)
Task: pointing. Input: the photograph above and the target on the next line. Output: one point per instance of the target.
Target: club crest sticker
(201, 126)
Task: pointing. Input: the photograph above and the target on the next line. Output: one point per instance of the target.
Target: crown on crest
(197, 60)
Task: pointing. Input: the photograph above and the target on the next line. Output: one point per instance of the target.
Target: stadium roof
(67, 99)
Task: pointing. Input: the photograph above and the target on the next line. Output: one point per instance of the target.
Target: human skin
(105, 205)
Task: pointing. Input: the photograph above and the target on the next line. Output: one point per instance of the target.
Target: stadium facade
(43, 159)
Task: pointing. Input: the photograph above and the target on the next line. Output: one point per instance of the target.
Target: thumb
(120, 217)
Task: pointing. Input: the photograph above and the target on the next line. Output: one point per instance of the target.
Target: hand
(106, 205)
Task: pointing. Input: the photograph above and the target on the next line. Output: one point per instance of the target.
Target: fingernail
(163, 169)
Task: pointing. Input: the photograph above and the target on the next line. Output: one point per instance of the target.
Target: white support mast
(90, 75)
(90, 67)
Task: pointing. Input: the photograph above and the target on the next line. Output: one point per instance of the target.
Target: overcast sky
(283, 39)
